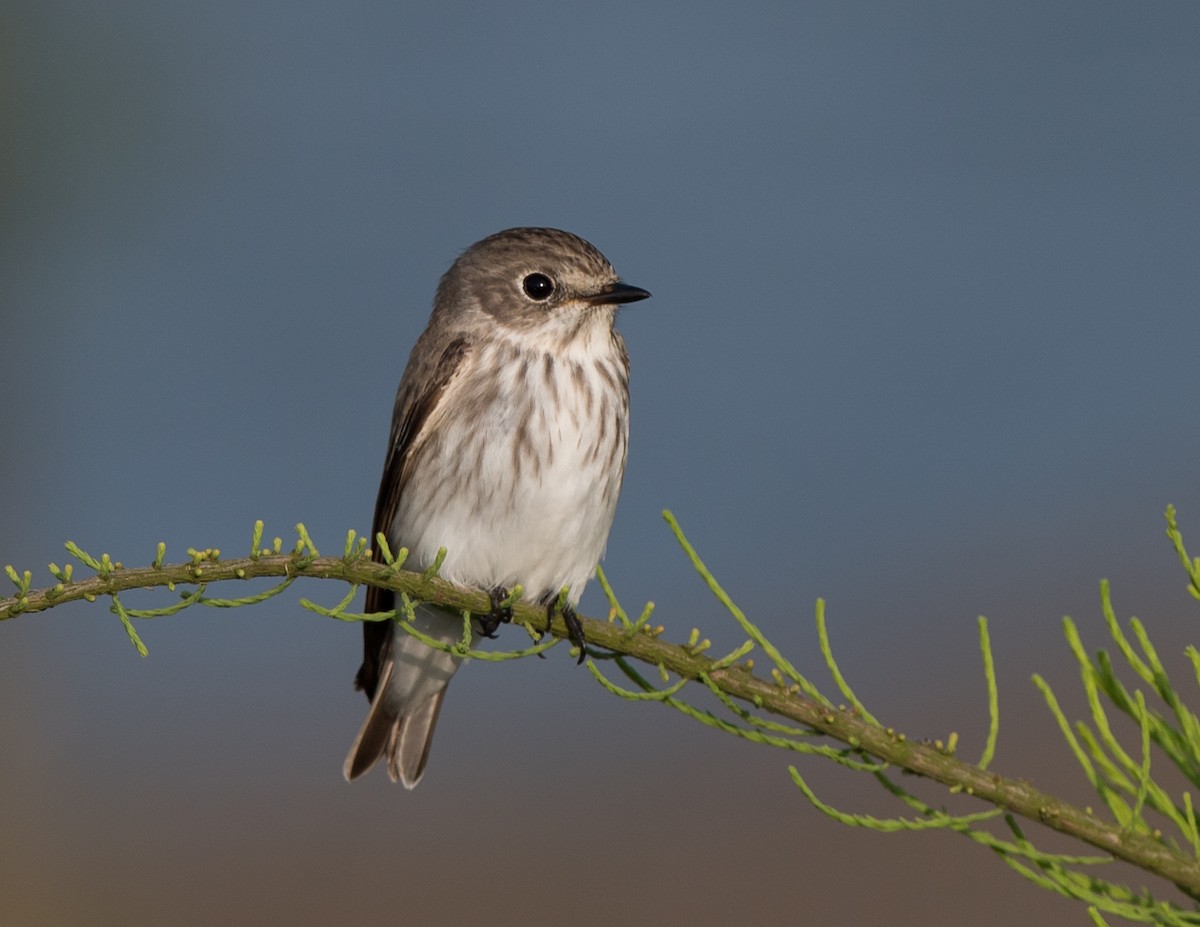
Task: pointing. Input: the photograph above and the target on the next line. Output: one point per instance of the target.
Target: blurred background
(922, 342)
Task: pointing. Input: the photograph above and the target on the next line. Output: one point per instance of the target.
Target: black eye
(538, 286)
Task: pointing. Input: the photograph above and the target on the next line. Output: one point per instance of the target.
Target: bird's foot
(574, 626)
(501, 612)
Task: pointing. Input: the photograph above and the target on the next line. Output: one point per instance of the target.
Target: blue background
(923, 342)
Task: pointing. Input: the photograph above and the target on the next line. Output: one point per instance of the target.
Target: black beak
(616, 293)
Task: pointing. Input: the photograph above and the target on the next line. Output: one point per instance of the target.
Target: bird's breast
(519, 476)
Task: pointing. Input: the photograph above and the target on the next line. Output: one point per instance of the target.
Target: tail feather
(411, 736)
(406, 702)
(375, 734)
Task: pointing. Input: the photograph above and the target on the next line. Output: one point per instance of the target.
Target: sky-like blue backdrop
(923, 341)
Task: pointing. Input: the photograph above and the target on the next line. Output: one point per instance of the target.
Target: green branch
(782, 710)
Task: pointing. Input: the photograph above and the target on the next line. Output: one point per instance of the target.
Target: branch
(786, 695)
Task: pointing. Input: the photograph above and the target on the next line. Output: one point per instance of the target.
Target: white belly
(519, 480)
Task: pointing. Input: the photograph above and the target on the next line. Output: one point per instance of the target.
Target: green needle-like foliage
(1147, 824)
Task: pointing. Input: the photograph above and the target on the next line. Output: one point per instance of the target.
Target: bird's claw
(501, 613)
(574, 626)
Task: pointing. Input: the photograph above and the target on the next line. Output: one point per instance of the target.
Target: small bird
(508, 446)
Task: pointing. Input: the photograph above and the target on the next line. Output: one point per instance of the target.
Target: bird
(507, 449)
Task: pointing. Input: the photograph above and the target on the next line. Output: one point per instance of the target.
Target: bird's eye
(538, 286)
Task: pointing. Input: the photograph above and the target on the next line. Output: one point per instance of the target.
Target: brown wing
(420, 391)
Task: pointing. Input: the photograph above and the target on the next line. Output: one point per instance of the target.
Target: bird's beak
(614, 294)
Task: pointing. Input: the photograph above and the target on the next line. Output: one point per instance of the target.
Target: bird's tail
(408, 698)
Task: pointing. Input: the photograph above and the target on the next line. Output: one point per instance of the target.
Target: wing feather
(420, 392)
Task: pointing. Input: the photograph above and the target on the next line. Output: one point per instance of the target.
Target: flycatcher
(508, 446)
